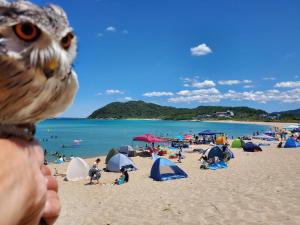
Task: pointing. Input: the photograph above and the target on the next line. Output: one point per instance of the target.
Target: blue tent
(209, 132)
(215, 151)
(118, 161)
(163, 169)
(251, 147)
(291, 143)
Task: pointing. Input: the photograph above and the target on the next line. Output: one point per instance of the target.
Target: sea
(89, 138)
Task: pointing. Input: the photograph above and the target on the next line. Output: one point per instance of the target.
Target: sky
(186, 53)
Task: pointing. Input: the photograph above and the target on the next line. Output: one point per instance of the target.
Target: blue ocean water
(99, 136)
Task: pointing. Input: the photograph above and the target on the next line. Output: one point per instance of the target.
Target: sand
(279, 125)
(257, 188)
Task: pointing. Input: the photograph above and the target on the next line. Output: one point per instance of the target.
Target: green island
(144, 110)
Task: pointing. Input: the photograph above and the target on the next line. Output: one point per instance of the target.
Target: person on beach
(180, 154)
(95, 172)
(30, 194)
(124, 178)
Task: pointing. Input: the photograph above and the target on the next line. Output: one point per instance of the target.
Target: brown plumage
(37, 49)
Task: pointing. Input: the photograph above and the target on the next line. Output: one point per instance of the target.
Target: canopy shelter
(209, 132)
(150, 138)
(163, 169)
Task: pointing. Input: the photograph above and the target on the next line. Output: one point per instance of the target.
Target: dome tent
(291, 143)
(125, 149)
(221, 140)
(110, 154)
(118, 161)
(237, 143)
(78, 169)
(215, 151)
(163, 169)
(251, 147)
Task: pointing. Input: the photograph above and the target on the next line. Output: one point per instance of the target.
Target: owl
(37, 81)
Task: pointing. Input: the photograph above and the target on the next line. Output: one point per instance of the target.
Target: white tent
(78, 169)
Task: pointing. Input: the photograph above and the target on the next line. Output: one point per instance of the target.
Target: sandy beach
(256, 188)
(280, 125)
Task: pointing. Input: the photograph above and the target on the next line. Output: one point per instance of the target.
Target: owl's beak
(50, 68)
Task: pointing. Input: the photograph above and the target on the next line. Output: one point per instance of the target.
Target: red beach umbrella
(148, 138)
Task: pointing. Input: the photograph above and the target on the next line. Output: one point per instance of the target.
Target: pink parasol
(148, 138)
(188, 136)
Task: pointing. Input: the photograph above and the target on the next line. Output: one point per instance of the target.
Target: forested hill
(143, 110)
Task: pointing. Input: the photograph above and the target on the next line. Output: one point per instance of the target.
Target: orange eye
(26, 31)
(67, 40)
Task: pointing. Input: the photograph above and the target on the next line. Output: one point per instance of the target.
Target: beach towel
(218, 165)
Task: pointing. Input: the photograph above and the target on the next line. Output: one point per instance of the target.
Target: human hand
(28, 192)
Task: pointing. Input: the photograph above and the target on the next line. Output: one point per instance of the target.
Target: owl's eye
(26, 31)
(67, 40)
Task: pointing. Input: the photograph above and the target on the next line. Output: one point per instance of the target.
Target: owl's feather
(27, 92)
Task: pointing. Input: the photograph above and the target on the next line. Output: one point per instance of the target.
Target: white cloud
(248, 86)
(206, 83)
(125, 31)
(232, 82)
(98, 94)
(111, 29)
(229, 82)
(288, 84)
(157, 94)
(273, 95)
(99, 35)
(128, 98)
(269, 78)
(113, 92)
(200, 50)
(199, 91)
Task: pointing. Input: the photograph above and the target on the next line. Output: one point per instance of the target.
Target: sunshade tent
(221, 140)
(209, 132)
(110, 154)
(188, 137)
(125, 149)
(118, 161)
(77, 169)
(148, 138)
(163, 169)
(251, 147)
(291, 143)
(296, 130)
(237, 143)
(215, 151)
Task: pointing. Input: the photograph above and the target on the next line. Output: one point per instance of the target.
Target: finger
(52, 183)
(52, 208)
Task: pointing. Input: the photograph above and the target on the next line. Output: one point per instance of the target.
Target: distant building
(227, 114)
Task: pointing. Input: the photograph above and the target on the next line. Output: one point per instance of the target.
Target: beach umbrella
(209, 132)
(148, 138)
(188, 137)
(179, 138)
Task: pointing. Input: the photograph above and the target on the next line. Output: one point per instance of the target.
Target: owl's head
(37, 49)
(40, 36)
